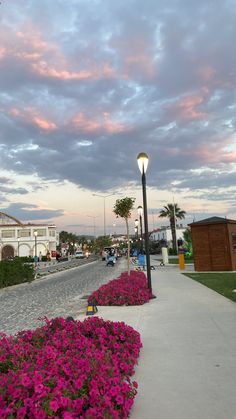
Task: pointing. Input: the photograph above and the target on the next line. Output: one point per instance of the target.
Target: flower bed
(126, 290)
(69, 369)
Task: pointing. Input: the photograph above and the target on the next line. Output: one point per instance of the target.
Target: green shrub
(14, 272)
(28, 259)
(171, 251)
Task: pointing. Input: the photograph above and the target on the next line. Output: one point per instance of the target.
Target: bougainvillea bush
(126, 290)
(69, 369)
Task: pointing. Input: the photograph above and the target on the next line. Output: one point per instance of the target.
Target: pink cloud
(31, 116)
(211, 154)
(186, 109)
(43, 69)
(136, 54)
(206, 72)
(46, 59)
(142, 62)
(44, 124)
(104, 123)
(2, 52)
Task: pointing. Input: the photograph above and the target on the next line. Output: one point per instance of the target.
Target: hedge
(14, 272)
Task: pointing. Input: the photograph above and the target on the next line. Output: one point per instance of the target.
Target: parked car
(79, 254)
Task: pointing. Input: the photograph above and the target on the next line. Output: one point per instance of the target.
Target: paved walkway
(187, 367)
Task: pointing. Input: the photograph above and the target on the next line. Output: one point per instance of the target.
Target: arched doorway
(7, 252)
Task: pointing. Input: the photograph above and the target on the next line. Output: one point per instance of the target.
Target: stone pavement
(58, 294)
(187, 367)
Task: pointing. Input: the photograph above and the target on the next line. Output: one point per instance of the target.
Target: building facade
(19, 239)
(164, 233)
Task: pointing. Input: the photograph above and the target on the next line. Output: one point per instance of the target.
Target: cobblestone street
(55, 295)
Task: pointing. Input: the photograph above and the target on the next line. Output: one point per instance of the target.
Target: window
(41, 232)
(6, 234)
(24, 233)
(234, 240)
(52, 233)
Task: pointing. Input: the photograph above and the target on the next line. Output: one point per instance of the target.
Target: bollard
(165, 258)
(181, 261)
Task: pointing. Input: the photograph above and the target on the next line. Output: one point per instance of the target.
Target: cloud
(31, 116)
(15, 191)
(31, 212)
(86, 86)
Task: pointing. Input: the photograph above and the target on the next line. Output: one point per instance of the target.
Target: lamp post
(18, 247)
(94, 227)
(136, 223)
(140, 213)
(142, 159)
(104, 209)
(35, 248)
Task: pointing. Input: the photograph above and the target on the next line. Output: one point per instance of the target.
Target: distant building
(164, 233)
(19, 239)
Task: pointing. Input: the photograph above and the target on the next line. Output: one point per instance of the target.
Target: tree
(101, 242)
(69, 238)
(123, 208)
(173, 212)
(188, 240)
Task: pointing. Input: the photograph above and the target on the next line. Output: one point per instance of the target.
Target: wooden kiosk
(214, 244)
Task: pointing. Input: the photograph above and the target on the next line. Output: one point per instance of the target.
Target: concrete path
(187, 367)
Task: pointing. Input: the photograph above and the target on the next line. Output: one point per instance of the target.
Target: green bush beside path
(14, 272)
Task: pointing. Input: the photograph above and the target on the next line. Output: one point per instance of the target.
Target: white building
(18, 239)
(164, 233)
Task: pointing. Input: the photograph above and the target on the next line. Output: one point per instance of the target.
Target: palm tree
(123, 208)
(173, 212)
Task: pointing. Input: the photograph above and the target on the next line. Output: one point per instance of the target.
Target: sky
(86, 85)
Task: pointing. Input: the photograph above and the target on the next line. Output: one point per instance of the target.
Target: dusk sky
(86, 85)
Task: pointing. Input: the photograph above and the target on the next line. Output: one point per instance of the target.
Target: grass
(224, 283)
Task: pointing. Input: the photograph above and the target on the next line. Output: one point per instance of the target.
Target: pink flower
(79, 368)
(67, 415)
(119, 399)
(21, 413)
(78, 383)
(25, 380)
(54, 405)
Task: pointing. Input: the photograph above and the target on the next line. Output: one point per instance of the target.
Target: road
(58, 294)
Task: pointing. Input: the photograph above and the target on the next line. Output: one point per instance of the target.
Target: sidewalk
(187, 367)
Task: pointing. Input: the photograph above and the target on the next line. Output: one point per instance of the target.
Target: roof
(213, 220)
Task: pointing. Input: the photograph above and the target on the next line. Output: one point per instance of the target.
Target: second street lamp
(18, 247)
(140, 213)
(104, 209)
(136, 223)
(142, 159)
(35, 248)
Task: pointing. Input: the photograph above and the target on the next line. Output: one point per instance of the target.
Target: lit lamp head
(140, 211)
(142, 160)
(35, 233)
(136, 222)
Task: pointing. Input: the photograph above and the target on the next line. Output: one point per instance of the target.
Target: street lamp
(94, 227)
(142, 159)
(35, 247)
(136, 223)
(140, 213)
(104, 208)
(18, 247)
